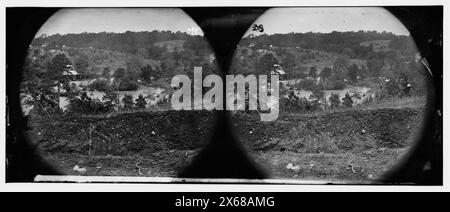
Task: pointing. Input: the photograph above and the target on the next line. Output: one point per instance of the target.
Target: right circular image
(329, 94)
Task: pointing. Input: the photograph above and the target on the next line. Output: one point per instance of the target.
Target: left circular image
(97, 90)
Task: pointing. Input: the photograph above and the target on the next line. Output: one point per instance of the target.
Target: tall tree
(340, 67)
(326, 72)
(289, 62)
(353, 72)
(140, 102)
(375, 63)
(56, 70)
(265, 64)
(119, 73)
(334, 100)
(347, 100)
(81, 66)
(133, 69)
(106, 72)
(313, 72)
(128, 101)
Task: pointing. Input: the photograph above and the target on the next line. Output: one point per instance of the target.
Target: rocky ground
(355, 146)
(350, 146)
(131, 144)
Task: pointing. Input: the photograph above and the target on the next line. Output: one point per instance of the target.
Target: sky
(277, 20)
(118, 20)
(323, 19)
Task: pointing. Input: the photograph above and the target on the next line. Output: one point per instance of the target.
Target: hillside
(172, 45)
(336, 42)
(377, 45)
(127, 42)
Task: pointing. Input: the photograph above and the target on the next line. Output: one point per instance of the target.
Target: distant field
(171, 45)
(100, 59)
(377, 45)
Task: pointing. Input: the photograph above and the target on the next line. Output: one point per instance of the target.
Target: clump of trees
(100, 85)
(140, 102)
(347, 100)
(82, 103)
(128, 102)
(346, 43)
(293, 103)
(44, 85)
(334, 101)
(290, 102)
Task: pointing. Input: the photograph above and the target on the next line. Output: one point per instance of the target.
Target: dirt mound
(126, 133)
(147, 132)
(391, 127)
(346, 129)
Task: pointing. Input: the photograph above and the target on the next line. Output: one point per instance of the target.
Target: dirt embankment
(343, 144)
(125, 134)
(331, 132)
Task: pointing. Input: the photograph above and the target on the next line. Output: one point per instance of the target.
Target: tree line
(348, 43)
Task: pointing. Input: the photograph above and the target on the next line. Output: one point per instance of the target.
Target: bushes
(100, 85)
(306, 84)
(128, 102)
(140, 102)
(86, 105)
(334, 101)
(128, 85)
(336, 85)
(347, 100)
(292, 103)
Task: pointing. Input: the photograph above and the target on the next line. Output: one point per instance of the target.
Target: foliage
(147, 72)
(198, 45)
(334, 101)
(316, 97)
(133, 69)
(306, 84)
(337, 42)
(140, 102)
(347, 100)
(110, 99)
(84, 104)
(127, 42)
(374, 64)
(340, 67)
(335, 84)
(313, 72)
(288, 62)
(155, 52)
(265, 64)
(326, 72)
(293, 103)
(100, 85)
(81, 65)
(353, 73)
(106, 72)
(44, 101)
(127, 84)
(128, 101)
(57, 67)
(119, 73)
